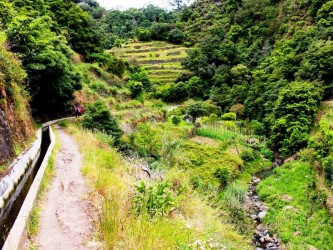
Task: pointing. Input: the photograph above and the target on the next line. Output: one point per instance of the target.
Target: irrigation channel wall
(34, 155)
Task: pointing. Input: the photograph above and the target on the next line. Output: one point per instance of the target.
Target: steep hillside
(16, 127)
(250, 52)
(161, 59)
(300, 192)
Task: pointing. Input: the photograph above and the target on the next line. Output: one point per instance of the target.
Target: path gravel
(65, 220)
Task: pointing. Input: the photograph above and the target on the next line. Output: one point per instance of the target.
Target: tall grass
(121, 227)
(297, 213)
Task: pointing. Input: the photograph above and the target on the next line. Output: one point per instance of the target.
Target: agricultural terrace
(161, 59)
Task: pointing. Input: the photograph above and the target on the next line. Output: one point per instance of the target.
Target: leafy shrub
(146, 141)
(178, 111)
(291, 123)
(223, 174)
(322, 142)
(173, 92)
(229, 116)
(257, 127)
(229, 125)
(247, 155)
(110, 63)
(176, 36)
(154, 200)
(159, 31)
(267, 153)
(210, 119)
(175, 120)
(98, 117)
(196, 110)
(213, 117)
(328, 167)
(211, 108)
(144, 34)
(139, 74)
(170, 151)
(197, 87)
(159, 103)
(135, 87)
(307, 154)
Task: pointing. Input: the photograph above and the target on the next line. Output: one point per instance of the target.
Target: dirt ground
(66, 221)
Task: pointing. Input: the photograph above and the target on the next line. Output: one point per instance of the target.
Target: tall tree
(47, 59)
(178, 5)
(76, 26)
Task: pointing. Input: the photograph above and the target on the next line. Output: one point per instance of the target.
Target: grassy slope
(161, 59)
(113, 181)
(296, 194)
(327, 109)
(16, 125)
(295, 214)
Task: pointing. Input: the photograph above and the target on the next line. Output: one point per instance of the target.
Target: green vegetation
(16, 125)
(297, 207)
(99, 118)
(155, 57)
(177, 215)
(154, 201)
(247, 79)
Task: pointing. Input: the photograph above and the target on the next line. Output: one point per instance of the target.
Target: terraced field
(161, 59)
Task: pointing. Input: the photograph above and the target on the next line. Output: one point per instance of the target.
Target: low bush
(135, 87)
(98, 117)
(257, 127)
(267, 153)
(173, 92)
(144, 34)
(175, 120)
(176, 36)
(247, 155)
(155, 200)
(328, 167)
(223, 174)
(229, 116)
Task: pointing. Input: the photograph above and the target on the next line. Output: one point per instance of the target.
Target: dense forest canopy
(46, 35)
(253, 53)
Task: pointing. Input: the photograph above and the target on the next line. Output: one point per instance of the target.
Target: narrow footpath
(65, 221)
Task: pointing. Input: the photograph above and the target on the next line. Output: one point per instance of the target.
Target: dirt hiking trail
(65, 221)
